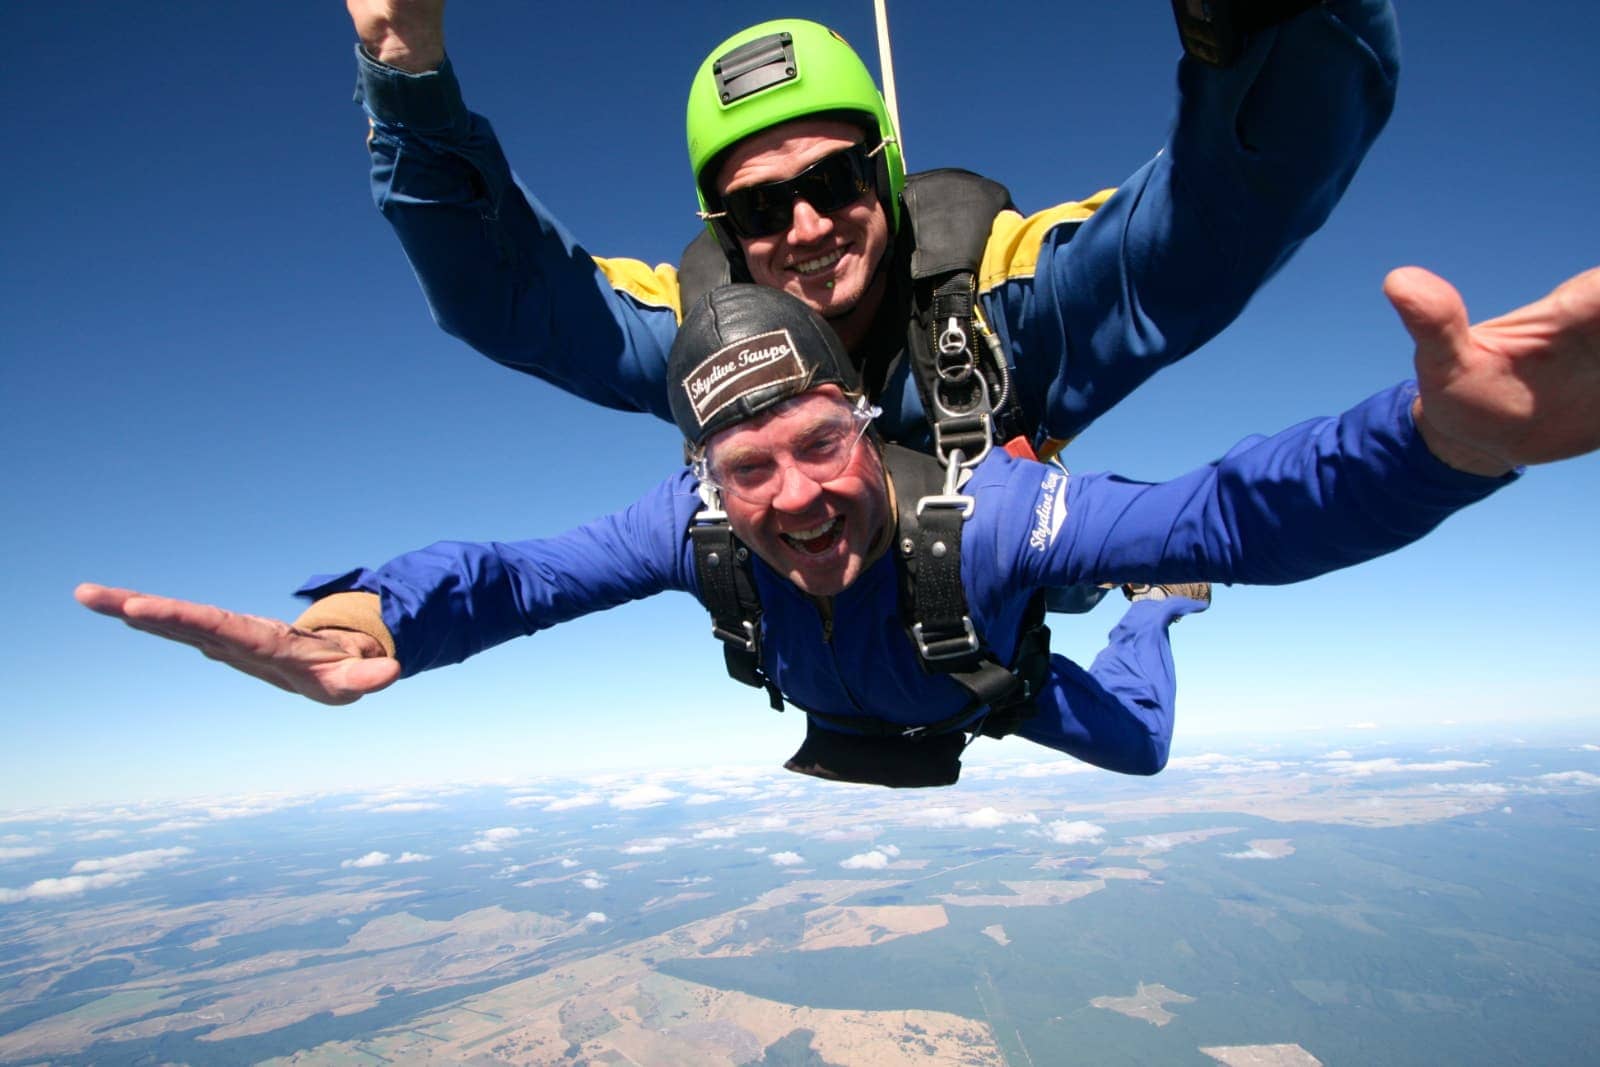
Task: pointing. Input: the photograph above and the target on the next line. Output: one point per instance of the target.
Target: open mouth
(819, 264)
(818, 539)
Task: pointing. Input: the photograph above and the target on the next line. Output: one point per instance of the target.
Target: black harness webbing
(933, 605)
(727, 586)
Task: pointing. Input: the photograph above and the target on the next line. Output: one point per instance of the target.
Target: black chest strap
(932, 511)
(728, 589)
(933, 606)
(961, 373)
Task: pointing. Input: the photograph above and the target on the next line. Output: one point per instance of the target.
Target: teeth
(811, 266)
(814, 532)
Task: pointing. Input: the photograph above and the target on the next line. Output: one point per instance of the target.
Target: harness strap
(934, 603)
(727, 586)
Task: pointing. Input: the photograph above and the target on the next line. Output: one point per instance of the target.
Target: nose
(796, 491)
(808, 225)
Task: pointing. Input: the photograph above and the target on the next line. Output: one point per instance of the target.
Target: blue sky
(220, 378)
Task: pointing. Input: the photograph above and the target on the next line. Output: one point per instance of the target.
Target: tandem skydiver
(802, 186)
(894, 599)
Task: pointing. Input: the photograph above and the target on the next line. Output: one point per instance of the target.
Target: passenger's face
(829, 260)
(818, 534)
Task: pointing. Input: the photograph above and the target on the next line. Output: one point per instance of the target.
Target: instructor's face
(818, 534)
(830, 260)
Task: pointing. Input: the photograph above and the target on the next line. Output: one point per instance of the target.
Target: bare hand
(408, 34)
(1520, 389)
(329, 666)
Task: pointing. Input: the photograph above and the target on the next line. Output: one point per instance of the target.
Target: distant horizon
(982, 761)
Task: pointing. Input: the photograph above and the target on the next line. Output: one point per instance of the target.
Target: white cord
(886, 62)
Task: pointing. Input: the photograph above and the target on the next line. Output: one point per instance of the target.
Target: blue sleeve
(497, 270)
(1319, 496)
(454, 599)
(1260, 154)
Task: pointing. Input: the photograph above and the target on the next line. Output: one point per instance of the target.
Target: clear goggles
(819, 451)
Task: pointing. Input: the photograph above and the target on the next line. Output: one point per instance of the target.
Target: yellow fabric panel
(657, 287)
(1014, 241)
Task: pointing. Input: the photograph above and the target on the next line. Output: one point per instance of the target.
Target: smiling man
(896, 603)
(801, 183)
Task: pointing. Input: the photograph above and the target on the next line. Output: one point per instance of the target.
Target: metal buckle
(746, 642)
(947, 500)
(971, 641)
(947, 421)
(951, 497)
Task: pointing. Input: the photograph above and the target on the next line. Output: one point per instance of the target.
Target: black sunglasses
(831, 183)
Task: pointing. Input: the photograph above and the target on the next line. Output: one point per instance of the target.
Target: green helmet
(777, 71)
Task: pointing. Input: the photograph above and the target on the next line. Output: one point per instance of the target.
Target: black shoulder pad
(951, 212)
(703, 267)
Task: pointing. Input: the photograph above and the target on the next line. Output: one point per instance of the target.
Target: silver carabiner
(954, 339)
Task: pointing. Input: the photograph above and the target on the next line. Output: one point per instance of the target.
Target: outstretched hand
(1519, 389)
(408, 34)
(329, 666)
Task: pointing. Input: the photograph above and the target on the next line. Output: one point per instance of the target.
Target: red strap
(1019, 448)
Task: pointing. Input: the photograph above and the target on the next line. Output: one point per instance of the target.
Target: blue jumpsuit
(1090, 298)
(1322, 495)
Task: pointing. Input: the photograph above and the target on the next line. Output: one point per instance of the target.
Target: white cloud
(568, 863)
(1571, 778)
(1361, 726)
(787, 859)
(406, 806)
(1029, 770)
(96, 874)
(492, 840)
(1479, 788)
(1390, 765)
(982, 819)
(875, 860)
(593, 880)
(889, 850)
(136, 862)
(172, 826)
(1590, 748)
(96, 835)
(1252, 854)
(596, 917)
(1340, 754)
(1217, 763)
(22, 853)
(773, 822)
(650, 845)
(371, 859)
(1075, 832)
(577, 800)
(642, 796)
(705, 798)
(413, 857)
(716, 833)
(54, 888)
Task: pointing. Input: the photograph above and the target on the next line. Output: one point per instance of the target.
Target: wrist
(413, 51)
(1455, 453)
